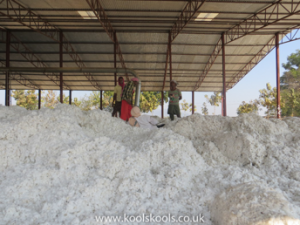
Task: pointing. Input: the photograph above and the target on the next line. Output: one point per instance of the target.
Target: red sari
(125, 110)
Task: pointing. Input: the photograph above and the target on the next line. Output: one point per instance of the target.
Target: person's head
(173, 84)
(135, 81)
(121, 80)
(135, 111)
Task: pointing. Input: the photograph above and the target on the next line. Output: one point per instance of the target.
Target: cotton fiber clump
(67, 166)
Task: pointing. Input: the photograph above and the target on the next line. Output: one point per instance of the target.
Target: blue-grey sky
(247, 89)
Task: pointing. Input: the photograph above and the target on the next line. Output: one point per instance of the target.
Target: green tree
(50, 99)
(191, 107)
(248, 107)
(290, 101)
(268, 99)
(150, 100)
(76, 102)
(27, 99)
(185, 106)
(214, 100)
(204, 109)
(291, 77)
(65, 99)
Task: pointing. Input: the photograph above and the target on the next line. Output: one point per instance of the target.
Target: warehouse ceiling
(182, 40)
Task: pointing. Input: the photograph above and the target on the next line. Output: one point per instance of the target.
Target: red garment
(125, 110)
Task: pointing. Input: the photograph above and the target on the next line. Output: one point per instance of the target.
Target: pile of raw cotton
(66, 166)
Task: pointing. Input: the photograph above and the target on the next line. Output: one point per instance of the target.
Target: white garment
(146, 121)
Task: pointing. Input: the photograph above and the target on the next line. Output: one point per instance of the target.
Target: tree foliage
(214, 100)
(204, 109)
(150, 100)
(185, 106)
(248, 107)
(50, 100)
(291, 77)
(27, 99)
(290, 103)
(268, 99)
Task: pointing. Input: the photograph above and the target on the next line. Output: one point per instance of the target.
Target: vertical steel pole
(222, 105)
(193, 102)
(40, 98)
(61, 65)
(7, 91)
(170, 53)
(101, 99)
(278, 76)
(162, 104)
(70, 97)
(115, 57)
(224, 77)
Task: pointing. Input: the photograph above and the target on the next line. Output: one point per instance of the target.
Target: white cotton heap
(67, 166)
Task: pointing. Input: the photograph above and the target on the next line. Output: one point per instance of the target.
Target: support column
(40, 98)
(162, 104)
(70, 97)
(224, 110)
(115, 57)
(193, 102)
(170, 53)
(278, 76)
(7, 80)
(61, 65)
(101, 99)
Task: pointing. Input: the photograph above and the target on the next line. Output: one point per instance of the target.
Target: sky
(246, 90)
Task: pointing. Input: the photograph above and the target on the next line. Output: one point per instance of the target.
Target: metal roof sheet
(142, 29)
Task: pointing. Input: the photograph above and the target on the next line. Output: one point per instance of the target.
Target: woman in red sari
(127, 98)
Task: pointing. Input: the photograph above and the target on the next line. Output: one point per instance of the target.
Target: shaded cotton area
(66, 166)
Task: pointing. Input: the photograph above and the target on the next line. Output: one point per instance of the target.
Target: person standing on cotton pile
(127, 98)
(143, 121)
(175, 96)
(117, 97)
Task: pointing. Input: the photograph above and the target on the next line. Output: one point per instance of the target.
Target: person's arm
(180, 96)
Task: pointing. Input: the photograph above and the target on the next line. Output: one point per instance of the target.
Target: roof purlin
(260, 56)
(186, 15)
(245, 31)
(100, 13)
(42, 27)
(20, 79)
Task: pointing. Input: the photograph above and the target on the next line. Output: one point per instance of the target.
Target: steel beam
(254, 23)
(224, 110)
(101, 99)
(115, 58)
(209, 64)
(162, 104)
(170, 55)
(277, 75)
(193, 102)
(20, 78)
(186, 15)
(40, 98)
(103, 19)
(70, 97)
(36, 23)
(7, 84)
(61, 93)
(261, 20)
(33, 59)
(166, 63)
(253, 62)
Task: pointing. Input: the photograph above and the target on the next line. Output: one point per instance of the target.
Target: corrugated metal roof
(142, 29)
